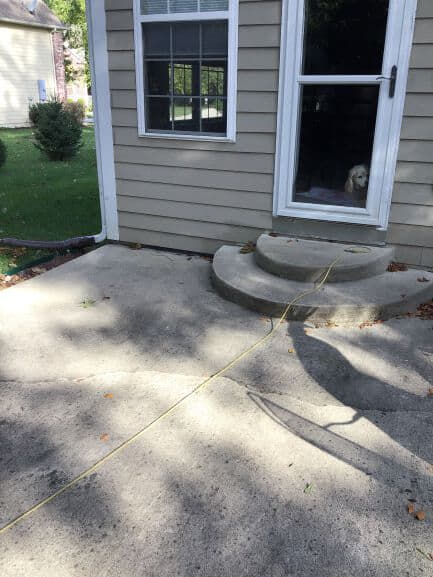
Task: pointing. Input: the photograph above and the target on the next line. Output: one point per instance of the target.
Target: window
(186, 67)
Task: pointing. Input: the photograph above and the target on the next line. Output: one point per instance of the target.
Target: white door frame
(399, 36)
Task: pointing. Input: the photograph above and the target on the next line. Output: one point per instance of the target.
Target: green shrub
(3, 152)
(34, 112)
(38, 107)
(57, 131)
(78, 109)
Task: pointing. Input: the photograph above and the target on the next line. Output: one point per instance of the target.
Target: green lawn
(44, 200)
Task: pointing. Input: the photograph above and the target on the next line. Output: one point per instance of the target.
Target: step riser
(237, 278)
(306, 260)
(291, 272)
(321, 314)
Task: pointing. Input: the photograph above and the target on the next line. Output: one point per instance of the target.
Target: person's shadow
(372, 399)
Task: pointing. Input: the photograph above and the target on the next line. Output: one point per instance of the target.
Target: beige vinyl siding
(26, 56)
(411, 218)
(188, 194)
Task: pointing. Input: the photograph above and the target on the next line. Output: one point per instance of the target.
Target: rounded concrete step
(237, 277)
(305, 260)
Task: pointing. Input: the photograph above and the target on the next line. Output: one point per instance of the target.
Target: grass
(45, 200)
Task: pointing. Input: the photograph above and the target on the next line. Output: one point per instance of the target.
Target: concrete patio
(297, 462)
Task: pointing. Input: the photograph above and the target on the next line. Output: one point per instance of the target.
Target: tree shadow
(246, 521)
(202, 502)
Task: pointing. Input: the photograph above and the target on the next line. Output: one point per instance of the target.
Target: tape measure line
(173, 407)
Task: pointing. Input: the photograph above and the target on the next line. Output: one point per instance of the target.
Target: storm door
(343, 75)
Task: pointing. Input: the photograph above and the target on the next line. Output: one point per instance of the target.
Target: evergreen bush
(58, 132)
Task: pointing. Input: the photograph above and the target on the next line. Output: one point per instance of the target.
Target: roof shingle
(18, 11)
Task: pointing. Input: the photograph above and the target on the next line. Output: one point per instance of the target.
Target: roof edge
(33, 24)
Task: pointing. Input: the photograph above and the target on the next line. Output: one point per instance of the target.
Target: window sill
(186, 137)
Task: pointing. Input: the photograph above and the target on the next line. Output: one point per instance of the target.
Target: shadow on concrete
(239, 523)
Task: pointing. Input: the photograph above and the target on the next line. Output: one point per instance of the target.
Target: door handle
(392, 80)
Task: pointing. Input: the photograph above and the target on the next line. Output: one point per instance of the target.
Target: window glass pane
(183, 76)
(183, 5)
(213, 78)
(158, 77)
(185, 90)
(214, 38)
(213, 5)
(186, 39)
(344, 36)
(156, 40)
(336, 143)
(154, 6)
(187, 114)
(158, 113)
(213, 113)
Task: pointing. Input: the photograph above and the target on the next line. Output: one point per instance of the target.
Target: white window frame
(401, 22)
(231, 15)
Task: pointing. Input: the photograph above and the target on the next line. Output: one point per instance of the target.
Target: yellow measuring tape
(170, 410)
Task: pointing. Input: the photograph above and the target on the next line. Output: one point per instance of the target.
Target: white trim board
(399, 38)
(232, 18)
(98, 53)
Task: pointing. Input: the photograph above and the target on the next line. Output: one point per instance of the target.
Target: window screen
(185, 72)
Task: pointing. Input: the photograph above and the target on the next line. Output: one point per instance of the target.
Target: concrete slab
(306, 260)
(237, 278)
(218, 487)
(51, 431)
(234, 484)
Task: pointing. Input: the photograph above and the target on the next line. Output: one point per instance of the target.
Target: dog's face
(357, 178)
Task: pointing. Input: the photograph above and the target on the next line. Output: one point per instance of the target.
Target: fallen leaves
(370, 323)
(419, 515)
(291, 351)
(396, 267)
(87, 303)
(248, 247)
(308, 488)
(7, 281)
(108, 395)
(136, 246)
(424, 311)
(428, 556)
(358, 249)
(104, 437)
(430, 392)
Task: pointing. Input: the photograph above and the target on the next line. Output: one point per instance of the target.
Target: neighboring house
(76, 85)
(231, 118)
(31, 58)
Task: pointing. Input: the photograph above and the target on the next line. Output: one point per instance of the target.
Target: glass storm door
(344, 69)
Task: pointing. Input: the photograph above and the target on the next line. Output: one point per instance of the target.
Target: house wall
(411, 218)
(198, 195)
(26, 56)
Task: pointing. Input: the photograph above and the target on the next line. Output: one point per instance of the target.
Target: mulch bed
(7, 281)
